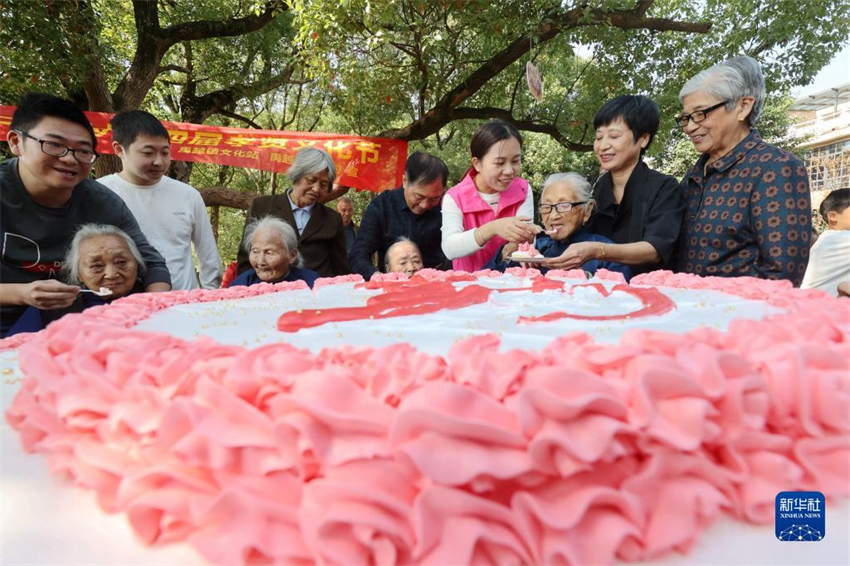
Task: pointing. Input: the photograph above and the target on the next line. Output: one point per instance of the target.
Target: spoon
(102, 292)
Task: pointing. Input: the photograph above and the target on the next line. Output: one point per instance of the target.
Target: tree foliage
(428, 71)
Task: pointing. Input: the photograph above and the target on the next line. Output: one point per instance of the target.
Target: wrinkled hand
(49, 294)
(508, 250)
(515, 229)
(574, 256)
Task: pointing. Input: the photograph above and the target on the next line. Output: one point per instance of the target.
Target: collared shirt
(388, 218)
(748, 214)
(301, 214)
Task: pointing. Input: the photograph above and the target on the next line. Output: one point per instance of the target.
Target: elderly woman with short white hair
(748, 203)
(403, 256)
(272, 248)
(104, 262)
(319, 228)
(566, 204)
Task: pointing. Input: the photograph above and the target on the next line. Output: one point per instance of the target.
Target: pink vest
(477, 213)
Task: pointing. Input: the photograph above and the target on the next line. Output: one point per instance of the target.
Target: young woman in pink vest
(491, 205)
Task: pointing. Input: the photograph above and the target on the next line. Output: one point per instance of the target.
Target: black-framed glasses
(562, 207)
(698, 116)
(55, 149)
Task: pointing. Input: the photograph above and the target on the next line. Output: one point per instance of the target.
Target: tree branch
(176, 68)
(198, 109)
(207, 29)
(489, 113)
(241, 118)
(440, 114)
(154, 41)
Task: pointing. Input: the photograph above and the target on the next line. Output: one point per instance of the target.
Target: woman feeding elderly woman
(565, 207)
(272, 249)
(104, 262)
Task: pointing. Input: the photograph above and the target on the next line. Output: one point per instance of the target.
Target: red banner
(373, 164)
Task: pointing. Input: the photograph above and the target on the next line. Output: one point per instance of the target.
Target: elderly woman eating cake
(104, 262)
(272, 249)
(565, 206)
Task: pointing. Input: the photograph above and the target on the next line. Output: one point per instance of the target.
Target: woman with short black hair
(638, 208)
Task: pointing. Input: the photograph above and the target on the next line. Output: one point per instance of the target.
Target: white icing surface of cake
(252, 322)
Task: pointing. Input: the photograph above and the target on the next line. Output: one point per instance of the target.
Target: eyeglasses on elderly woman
(698, 116)
(562, 207)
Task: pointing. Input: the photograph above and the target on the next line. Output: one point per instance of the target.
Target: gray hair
(581, 185)
(401, 240)
(311, 160)
(730, 80)
(345, 199)
(71, 266)
(284, 231)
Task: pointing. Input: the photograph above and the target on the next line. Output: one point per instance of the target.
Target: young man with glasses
(45, 194)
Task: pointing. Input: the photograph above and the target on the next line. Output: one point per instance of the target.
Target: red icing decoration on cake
(654, 303)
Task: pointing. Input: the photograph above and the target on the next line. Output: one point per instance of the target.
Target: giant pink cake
(450, 419)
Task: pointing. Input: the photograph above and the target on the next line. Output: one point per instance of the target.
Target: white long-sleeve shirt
(458, 242)
(172, 216)
(829, 262)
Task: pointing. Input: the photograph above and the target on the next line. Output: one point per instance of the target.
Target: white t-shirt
(172, 216)
(829, 262)
(458, 242)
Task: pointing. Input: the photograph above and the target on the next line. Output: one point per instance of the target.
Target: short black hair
(640, 113)
(836, 201)
(489, 134)
(35, 106)
(424, 168)
(130, 124)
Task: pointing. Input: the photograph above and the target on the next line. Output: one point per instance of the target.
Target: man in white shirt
(829, 258)
(171, 214)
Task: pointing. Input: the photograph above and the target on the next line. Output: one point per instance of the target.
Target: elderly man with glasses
(45, 195)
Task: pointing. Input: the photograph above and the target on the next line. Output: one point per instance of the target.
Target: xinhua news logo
(800, 516)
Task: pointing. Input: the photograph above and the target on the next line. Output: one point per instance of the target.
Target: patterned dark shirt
(748, 214)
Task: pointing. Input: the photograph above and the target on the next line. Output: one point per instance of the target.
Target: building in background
(824, 127)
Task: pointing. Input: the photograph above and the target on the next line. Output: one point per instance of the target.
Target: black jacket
(652, 210)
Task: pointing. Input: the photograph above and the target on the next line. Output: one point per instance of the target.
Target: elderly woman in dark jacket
(321, 234)
(566, 204)
(104, 262)
(272, 248)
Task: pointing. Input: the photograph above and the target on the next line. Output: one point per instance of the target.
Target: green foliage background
(378, 66)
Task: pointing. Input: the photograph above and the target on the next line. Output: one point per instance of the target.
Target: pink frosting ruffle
(581, 453)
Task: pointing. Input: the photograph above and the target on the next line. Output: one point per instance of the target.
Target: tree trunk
(107, 164)
(222, 196)
(214, 216)
(180, 170)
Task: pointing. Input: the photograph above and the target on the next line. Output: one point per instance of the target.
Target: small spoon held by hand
(102, 292)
